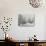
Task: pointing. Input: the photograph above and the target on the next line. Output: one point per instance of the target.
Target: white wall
(12, 8)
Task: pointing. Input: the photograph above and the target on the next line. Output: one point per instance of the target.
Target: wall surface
(11, 8)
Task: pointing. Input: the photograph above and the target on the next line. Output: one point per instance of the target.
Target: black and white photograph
(26, 20)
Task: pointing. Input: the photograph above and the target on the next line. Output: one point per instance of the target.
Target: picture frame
(26, 20)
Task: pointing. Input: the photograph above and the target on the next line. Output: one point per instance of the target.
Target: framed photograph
(26, 20)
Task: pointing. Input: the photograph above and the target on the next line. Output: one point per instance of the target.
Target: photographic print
(26, 20)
